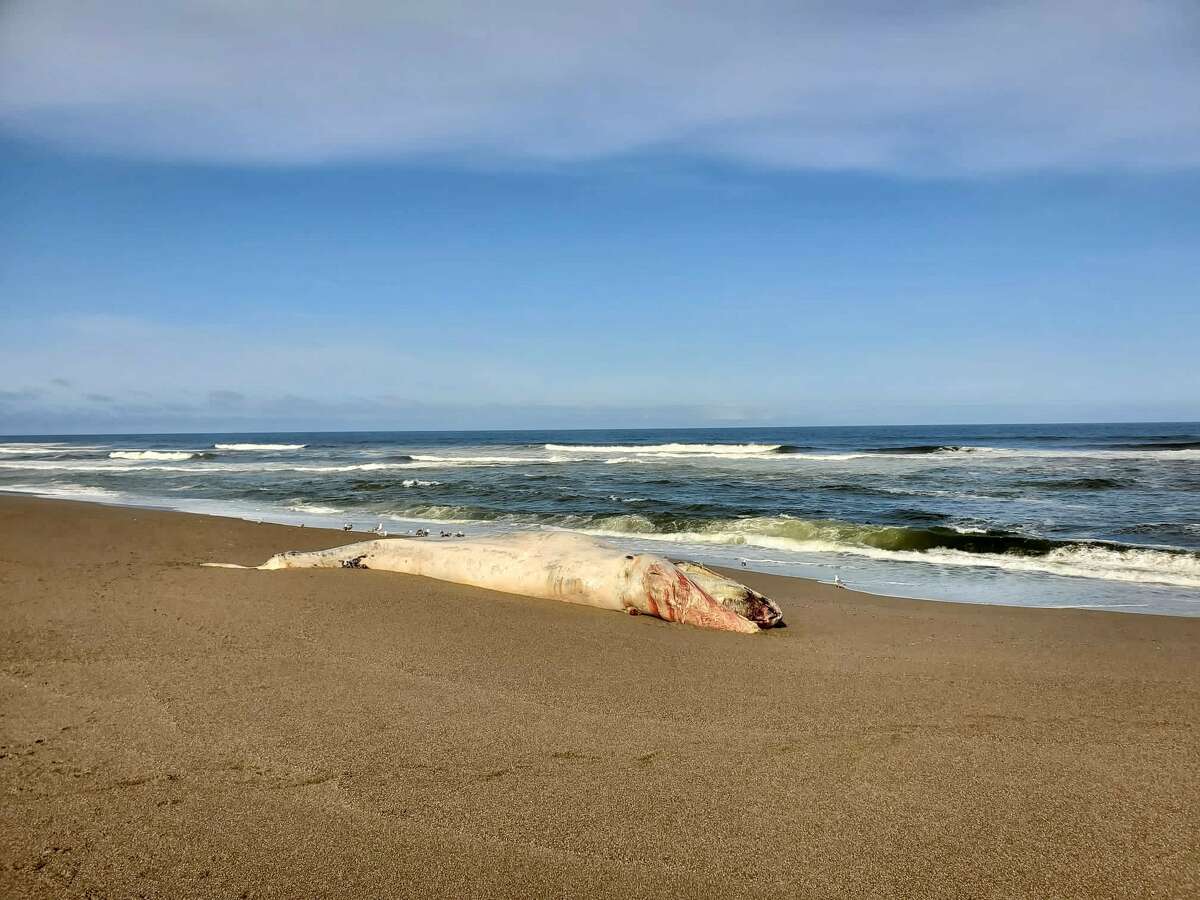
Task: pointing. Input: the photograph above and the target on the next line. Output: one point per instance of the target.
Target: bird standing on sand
(347, 527)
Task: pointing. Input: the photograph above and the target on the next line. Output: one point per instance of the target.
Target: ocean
(1093, 516)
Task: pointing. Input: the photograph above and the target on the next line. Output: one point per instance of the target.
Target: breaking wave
(674, 449)
(921, 449)
(935, 545)
(160, 455)
(315, 509)
(632, 453)
(489, 460)
(28, 449)
(752, 450)
(66, 491)
(938, 546)
(259, 446)
(207, 469)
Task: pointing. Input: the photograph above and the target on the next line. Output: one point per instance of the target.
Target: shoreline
(663, 551)
(170, 730)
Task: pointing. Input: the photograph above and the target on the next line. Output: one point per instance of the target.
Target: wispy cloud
(931, 88)
(289, 379)
(28, 412)
(145, 376)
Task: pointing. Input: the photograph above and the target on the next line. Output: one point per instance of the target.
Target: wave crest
(316, 509)
(160, 455)
(259, 446)
(679, 449)
(921, 450)
(941, 546)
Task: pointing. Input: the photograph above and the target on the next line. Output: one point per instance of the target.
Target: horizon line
(590, 429)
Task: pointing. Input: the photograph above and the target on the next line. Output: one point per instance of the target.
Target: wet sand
(176, 731)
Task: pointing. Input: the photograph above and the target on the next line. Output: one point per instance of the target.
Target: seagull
(347, 527)
(837, 581)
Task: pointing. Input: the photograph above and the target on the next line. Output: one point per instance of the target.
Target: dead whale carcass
(567, 567)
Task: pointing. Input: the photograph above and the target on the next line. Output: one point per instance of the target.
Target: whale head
(659, 588)
(734, 595)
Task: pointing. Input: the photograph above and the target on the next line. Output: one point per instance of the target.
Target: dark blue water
(1051, 515)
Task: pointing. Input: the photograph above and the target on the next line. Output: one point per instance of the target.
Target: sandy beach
(175, 731)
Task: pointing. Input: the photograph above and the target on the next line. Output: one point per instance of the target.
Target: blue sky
(656, 222)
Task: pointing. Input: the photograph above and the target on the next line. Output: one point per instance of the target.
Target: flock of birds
(420, 532)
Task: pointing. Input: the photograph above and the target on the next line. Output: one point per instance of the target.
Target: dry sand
(177, 731)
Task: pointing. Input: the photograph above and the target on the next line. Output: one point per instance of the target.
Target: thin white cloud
(934, 88)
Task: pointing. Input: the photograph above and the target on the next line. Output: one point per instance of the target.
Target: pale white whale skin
(558, 566)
